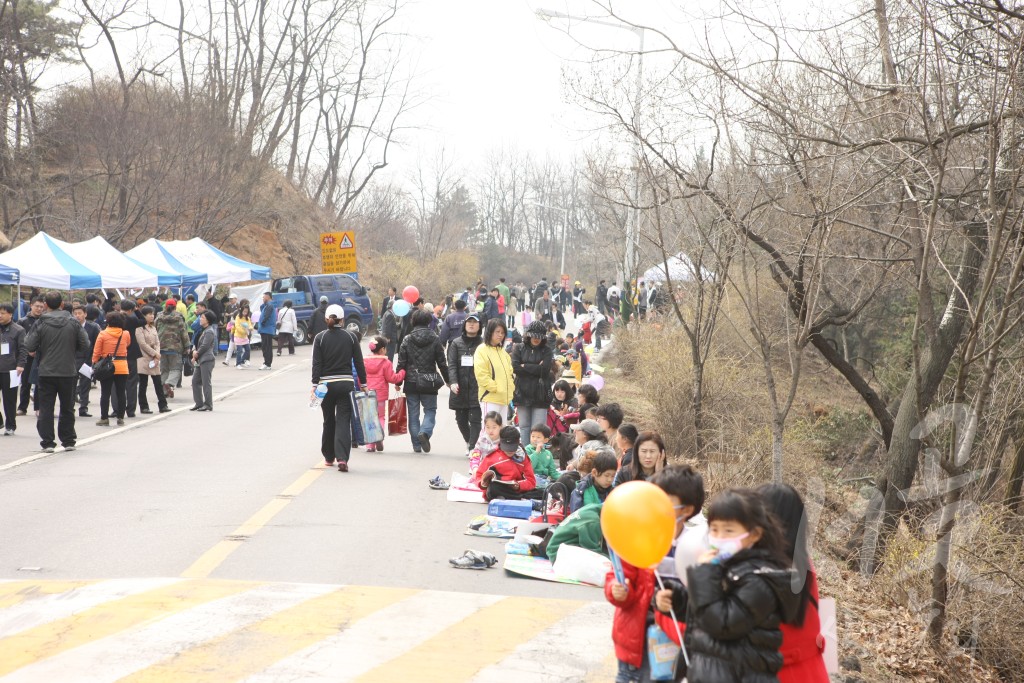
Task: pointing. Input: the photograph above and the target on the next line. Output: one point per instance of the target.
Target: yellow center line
(608, 670)
(17, 592)
(48, 640)
(215, 556)
(252, 649)
(478, 641)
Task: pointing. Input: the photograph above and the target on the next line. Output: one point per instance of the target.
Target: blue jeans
(528, 417)
(429, 404)
(241, 353)
(627, 673)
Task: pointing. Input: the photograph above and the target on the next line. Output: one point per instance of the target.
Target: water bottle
(318, 395)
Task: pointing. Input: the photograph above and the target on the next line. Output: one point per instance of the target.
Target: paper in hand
(15, 379)
(85, 370)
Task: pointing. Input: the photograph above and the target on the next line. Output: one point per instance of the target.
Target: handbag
(398, 416)
(425, 382)
(187, 366)
(104, 367)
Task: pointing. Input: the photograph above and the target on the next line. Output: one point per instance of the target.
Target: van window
(289, 285)
(326, 284)
(346, 283)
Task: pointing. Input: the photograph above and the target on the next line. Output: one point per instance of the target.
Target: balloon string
(675, 621)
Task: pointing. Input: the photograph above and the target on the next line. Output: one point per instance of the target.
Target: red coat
(802, 646)
(629, 627)
(508, 469)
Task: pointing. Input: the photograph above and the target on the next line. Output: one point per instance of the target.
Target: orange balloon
(639, 522)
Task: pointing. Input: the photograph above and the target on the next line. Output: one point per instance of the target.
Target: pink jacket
(379, 373)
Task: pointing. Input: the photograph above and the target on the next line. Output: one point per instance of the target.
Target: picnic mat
(541, 568)
(461, 491)
(492, 527)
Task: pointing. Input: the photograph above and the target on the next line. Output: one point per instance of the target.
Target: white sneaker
(246, 363)
(8, 432)
(264, 367)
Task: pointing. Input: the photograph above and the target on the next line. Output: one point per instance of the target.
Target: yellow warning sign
(338, 252)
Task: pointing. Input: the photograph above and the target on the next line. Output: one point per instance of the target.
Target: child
(379, 373)
(588, 394)
(540, 457)
(487, 442)
(596, 486)
(648, 459)
(629, 627)
(740, 592)
(507, 472)
(626, 439)
(564, 400)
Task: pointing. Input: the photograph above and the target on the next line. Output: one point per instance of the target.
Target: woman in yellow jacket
(493, 369)
(113, 341)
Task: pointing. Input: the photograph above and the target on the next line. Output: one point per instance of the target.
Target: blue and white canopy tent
(152, 253)
(8, 276)
(206, 262)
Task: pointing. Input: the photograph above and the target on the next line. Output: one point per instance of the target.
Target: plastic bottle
(318, 395)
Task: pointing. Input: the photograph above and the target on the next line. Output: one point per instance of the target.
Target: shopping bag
(830, 634)
(398, 416)
(662, 653)
(364, 411)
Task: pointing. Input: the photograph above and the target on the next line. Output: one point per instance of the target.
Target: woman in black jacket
(463, 399)
(738, 595)
(532, 362)
(336, 358)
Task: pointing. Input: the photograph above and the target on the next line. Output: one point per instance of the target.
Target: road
(215, 546)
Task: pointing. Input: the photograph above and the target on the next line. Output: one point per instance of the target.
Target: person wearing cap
(451, 328)
(318, 321)
(337, 358)
(170, 328)
(532, 363)
(464, 390)
(507, 470)
(588, 435)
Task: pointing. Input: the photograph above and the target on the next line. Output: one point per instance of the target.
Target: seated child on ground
(595, 487)
(540, 457)
(507, 471)
(487, 442)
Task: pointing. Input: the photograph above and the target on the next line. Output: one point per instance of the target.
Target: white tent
(44, 261)
(152, 254)
(679, 268)
(207, 261)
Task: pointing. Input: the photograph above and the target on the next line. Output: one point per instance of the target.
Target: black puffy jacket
(532, 366)
(459, 348)
(733, 616)
(421, 354)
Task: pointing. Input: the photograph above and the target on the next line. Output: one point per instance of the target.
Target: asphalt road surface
(215, 546)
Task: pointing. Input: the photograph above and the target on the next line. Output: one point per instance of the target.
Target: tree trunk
(698, 407)
(1016, 477)
(778, 431)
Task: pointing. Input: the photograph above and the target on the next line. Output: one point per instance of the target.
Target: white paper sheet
(15, 379)
(85, 370)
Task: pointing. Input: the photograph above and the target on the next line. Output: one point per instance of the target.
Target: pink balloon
(411, 294)
(596, 381)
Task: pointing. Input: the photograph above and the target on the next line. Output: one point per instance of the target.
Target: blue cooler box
(516, 509)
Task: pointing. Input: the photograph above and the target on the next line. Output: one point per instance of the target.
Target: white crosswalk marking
(111, 658)
(376, 639)
(49, 608)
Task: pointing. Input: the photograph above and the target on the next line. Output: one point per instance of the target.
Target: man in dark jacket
(318, 321)
(463, 399)
(56, 339)
(13, 358)
(388, 300)
(36, 310)
(132, 323)
(451, 328)
(602, 297)
(92, 330)
(490, 307)
(389, 329)
(532, 362)
(426, 370)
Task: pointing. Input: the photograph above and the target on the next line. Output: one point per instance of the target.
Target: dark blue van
(305, 292)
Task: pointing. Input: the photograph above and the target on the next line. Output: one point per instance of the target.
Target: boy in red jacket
(632, 602)
(507, 471)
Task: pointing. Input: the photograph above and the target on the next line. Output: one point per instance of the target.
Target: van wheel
(354, 324)
(301, 334)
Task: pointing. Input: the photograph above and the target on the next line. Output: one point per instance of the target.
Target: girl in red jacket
(632, 602)
(802, 642)
(379, 373)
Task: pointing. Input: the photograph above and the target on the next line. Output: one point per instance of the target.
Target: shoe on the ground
(49, 449)
(473, 559)
(379, 446)
(68, 449)
(120, 422)
(21, 413)
(425, 442)
(168, 391)
(195, 407)
(264, 367)
(438, 483)
(8, 432)
(146, 411)
(84, 413)
(165, 409)
(370, 447)
(204, 409)
(343, 467)
(103, 422)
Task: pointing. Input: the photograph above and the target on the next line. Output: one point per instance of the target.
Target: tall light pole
(565, 220)
(633, 229)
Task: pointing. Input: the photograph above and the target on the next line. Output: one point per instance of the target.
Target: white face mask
(726, 547)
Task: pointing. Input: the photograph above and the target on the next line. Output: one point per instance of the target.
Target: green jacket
(582, 528)
(543, 462)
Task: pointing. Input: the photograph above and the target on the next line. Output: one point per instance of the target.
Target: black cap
(473, 316)
(509, 442)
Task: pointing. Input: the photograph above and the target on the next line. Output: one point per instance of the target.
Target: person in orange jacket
(632, 601)
(113, 341)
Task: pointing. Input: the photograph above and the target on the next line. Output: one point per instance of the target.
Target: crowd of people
(55, 353)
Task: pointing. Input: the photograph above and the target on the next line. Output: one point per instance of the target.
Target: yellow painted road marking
(215, 556)
(17, 592)
(252, 649)
(608, 670)
(98, 622)
(483, 639)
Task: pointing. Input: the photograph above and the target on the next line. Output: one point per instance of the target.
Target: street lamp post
(565, 220)
(633, 230)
